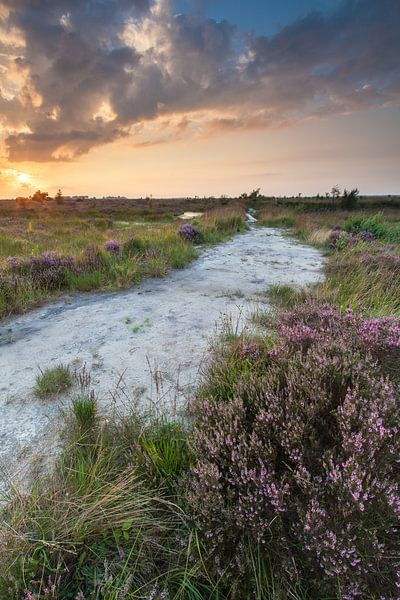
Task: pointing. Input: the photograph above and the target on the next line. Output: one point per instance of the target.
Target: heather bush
(375, 225)
(48, 270)
(190, 233)
(92, 259)
(340, 238)
(112, 246)
(300, 463)
(7, 286)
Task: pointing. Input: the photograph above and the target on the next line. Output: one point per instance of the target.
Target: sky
(199, 97)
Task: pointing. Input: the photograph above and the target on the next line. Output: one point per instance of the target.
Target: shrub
(52, 381)
(279, 221)
(7, 285)
(113, 246)
(135, 245)
(103, 523)
(92, 259)
(48, 270)
(375, 225)
(166, 450)
(340, 238)
(299, 465)
(366, 277)
(190, 233)
(350, 199)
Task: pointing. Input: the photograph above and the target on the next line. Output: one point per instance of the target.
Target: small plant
(283, 295)
(53, 380)
(190, 233)
(48, 270)
(140, 326)
(113, 246)
(166, 450)
(84, 408)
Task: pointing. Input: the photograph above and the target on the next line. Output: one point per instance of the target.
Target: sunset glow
(23, 178)
(177, 97)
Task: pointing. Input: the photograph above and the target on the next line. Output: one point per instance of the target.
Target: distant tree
(59, 198)
(252, 196)
(335, 192)
(40, 197)
(255, 194)
(350, 198)
(150, 202)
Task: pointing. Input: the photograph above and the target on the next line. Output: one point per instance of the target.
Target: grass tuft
(53, 380)
(84, 408)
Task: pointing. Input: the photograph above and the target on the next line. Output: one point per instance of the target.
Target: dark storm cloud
(350, 58)
(145, 62)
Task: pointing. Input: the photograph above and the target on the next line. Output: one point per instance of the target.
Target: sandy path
(166, 323)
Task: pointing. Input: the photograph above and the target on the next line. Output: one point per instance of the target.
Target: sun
(23, 178)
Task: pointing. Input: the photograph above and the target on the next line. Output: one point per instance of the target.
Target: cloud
(82, 73)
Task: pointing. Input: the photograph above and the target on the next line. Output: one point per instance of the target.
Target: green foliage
(279, 221)
(53, 380)
(284, 295)
(376, 224)
(84, 282)
(145, 249)
(166, 449)
(104, 523)
(84, 408)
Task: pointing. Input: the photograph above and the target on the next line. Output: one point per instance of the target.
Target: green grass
(84, 408)
(278, 221)
(375, 224)
(107, 518)
(52, 381)
(284, 295)
(151, 248)
(112, 516)
(84, 282)
(365, 276)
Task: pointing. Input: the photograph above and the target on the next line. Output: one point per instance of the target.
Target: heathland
(282, 479)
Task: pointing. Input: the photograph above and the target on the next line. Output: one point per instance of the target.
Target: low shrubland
(107, 522)
(283, 480)
(48, 254)
(362, 264)
(283, 483)
(295, 489)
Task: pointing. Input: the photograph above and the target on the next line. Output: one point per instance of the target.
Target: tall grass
(105, 523)
(147, 249)
(362, 275)
(281, 485)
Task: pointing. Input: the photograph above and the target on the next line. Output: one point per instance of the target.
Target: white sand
(166, 323)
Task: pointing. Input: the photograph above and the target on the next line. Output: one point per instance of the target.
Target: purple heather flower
(190, 232)
(112, 246)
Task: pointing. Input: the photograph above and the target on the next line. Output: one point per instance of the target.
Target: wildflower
(112, 246)
(190, 232)
(304, 458)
